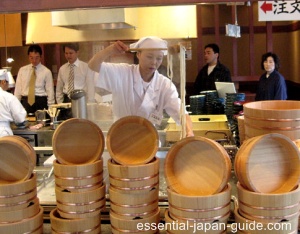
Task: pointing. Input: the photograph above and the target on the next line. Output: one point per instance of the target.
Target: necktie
(31, 90)
(71, 80)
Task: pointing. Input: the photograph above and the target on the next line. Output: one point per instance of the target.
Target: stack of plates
(197, 104)
(229, 106)
(211, 98)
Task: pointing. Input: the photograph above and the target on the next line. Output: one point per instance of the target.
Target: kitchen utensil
(272, 117)
(207, 207)
(268, 207)
(17, 159)
(79, 106)
(132, 140)
(80, 225)
(197, 166)
(268, 164)
(78, 141)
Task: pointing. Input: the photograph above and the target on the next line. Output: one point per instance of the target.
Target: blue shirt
(271, 88)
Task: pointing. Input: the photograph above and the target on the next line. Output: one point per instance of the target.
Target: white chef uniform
(132, 96)
(10, 108)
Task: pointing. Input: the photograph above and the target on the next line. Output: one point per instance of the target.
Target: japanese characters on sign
(279, 10)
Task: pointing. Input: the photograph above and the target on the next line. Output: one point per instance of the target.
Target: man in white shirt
(83, 76)
(43, 88)
(11, 110)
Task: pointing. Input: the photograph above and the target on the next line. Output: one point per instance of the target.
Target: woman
(271, 85)
(139, 89)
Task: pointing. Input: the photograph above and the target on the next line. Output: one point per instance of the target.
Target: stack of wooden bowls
(133, 175)
(197, 172)
(78, 145)
(268, 170)
(20, 211)
(276, 116)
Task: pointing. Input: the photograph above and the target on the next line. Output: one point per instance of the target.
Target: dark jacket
(205, 82)
(271, 88)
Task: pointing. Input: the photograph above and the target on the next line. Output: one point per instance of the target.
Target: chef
(11, 110)
(139, 89)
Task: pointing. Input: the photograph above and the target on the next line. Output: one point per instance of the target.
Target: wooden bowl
(78, 178)
(74, 205)
(78, 141)
(81, 170)
(189, 226)
(132, 205)
(18, 196)
(268, 207)
(80, 225)
(133, 177)
(197, 166)
(31, 225)
(276, 116)
(202, 208)
(15, 149)
(251, 226)
(12, 216)
(120, 225)
(268, 164)
(126, 198)
(132, 140)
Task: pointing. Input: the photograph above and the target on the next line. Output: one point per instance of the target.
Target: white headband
(4, 75)
(151, 42)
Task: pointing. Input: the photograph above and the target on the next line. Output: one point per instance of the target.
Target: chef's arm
(116, 48)
(189, 126)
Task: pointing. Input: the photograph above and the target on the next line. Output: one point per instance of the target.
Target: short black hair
(73, 46)
(214, 47)
(35, 48)
(264, 58)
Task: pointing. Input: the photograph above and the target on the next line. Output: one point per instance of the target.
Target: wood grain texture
(31, 225)
(78, 141)
(268, 164)
(206, 208)
(132, 140)
(197, 166)
(268, 207)
(60, 225)
(272, 117)
(17, 159)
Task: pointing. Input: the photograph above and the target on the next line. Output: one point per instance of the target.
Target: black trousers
(41, 102)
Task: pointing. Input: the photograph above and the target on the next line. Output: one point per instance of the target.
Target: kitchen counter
(36, 137)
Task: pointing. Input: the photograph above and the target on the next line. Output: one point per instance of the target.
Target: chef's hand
(190, 134)
(120, 47)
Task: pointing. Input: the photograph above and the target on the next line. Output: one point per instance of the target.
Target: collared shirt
(43, 84)
(271, 88)
(11, 110)
(83, 79)
(206, 82)
(128, 96)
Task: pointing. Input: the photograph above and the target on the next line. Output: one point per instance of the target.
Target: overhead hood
(118, 18)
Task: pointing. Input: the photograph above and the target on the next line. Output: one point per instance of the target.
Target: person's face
(34, 58)
(269, 65)
(4, 84)
(71, 55)
(149, 61)
(210, 56)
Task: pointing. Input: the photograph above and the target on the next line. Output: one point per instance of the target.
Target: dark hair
(35, 48)
(274, 56)
(214, 47)
(73, 46)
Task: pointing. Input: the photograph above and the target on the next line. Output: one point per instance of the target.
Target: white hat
(4, 75)
(151, 42)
